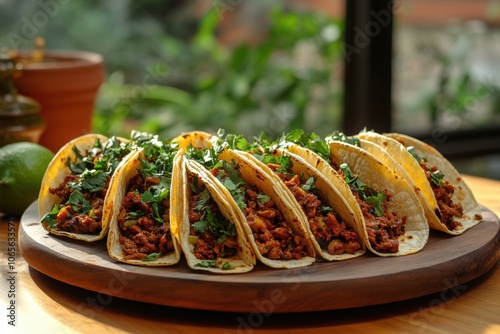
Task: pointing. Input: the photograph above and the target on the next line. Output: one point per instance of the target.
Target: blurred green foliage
(463, 91)
(168, 72)
(204, 85)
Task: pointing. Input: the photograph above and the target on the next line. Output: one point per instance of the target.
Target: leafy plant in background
(202, 84)
(458, 92)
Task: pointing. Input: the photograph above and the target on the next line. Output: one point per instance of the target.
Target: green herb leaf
(51, 217)
(216, 223)
(411, 149)
(437, 178)
(214, 264)
(79, 203)
(155, 195)
(200, 226)
(231, 178)
(366, 193)
(151, 257)
(134, 214)
(294, 135)
(351, 179)
(227, 266)
(285, 162)
(263, 198)
(203, 201)
(377, 201)
(325, 209)
(310, 184)
(339, 136)
(207, 264)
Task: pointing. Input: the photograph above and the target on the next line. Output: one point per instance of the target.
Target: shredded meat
(443, 194)
(383, 231)
(332, 234)
(72, 221)
(71, 216)
(206, 246)
(141, 236)
(274, 238)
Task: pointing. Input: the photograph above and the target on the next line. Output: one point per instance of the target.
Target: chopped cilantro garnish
(411, 150)
(200, 226)
(285, 162)
(51, 217)
(208, 157)
(310, 184)
(205, 198)
(79, 203)
(437, 178)
(95, 165)
(214, 222)
(156, 171)
(366, 193)
(155, 195)
(296, 136)
(214, 264)
(237, 142)
(207, 264)
(325, 209)
(134, 214)
(231, 179)
(308, 140)
(339, 136)
(263, 198)
(90, 180)
(376, 200)
(227, 266)
(151, 257)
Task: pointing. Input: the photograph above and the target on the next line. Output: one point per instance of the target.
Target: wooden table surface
(45, 305)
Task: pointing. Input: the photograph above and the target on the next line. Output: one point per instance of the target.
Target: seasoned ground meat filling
(443, 194)
(141, 234)
(384, 230)
(82, 193)
(274, 238)
(330, 231)
(69, 219)
(206, 224)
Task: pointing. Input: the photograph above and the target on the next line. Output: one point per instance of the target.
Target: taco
(450, 204)
(140, 228)
(209, 233)
(77, 190)
(393, 219)
(197, 139)
(328, 219)
(268, 219)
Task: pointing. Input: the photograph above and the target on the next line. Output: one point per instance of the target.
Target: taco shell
(54, 176)
(259, 179)
(197, 139)
(131, 168)
(329, 193)
(244, 260)
(462, 193)
(374, 173)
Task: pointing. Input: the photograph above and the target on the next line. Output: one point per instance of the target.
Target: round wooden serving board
(445, 261)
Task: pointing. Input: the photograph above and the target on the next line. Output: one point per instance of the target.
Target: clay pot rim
(64, 59)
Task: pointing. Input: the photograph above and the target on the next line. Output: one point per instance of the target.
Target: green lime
(22, 166)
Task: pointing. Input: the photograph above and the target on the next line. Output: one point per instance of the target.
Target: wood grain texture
(368, 280)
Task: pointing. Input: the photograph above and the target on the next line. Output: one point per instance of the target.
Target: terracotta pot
(65, 84)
